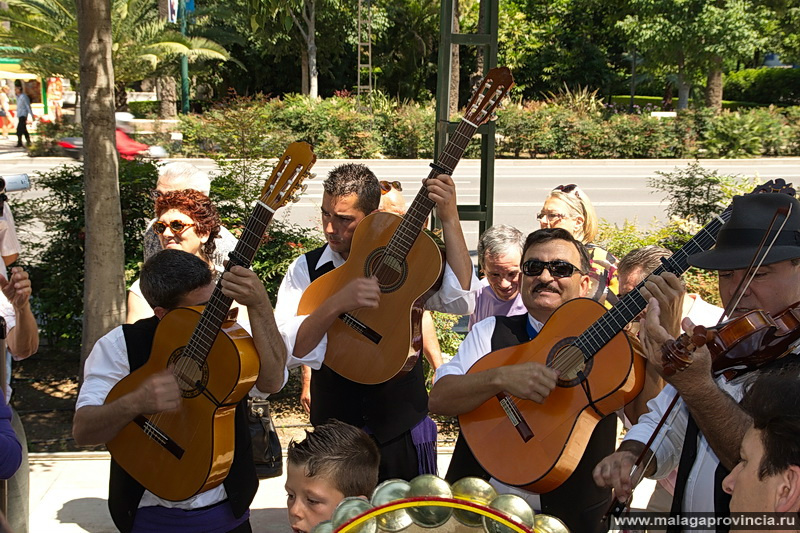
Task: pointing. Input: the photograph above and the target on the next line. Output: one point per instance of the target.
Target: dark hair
(648, 258)
(196, 205)
(342, 454)
(358, 179)
(171, 274)
(541, 236)
(773, 401)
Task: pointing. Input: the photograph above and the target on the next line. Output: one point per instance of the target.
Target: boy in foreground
(336, 460)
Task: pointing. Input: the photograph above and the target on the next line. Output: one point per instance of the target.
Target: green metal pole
(184, 61)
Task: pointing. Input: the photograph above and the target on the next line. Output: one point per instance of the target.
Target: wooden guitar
(372, 345)
(538, 446)
(178, 454)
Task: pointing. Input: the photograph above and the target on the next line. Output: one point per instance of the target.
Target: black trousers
(22, 129)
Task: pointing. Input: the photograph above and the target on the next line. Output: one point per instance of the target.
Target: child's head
(334, 461)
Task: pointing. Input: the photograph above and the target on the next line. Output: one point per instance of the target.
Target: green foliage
(449, 340)
(57, 273)
(144, 108)
(764, 85)
(44, 144)
(283, 244)
(694, 193)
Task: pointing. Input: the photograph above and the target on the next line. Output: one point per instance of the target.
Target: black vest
(388, 409)
(124, 492)
(579, 502)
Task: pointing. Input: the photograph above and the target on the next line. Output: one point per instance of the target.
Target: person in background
(499, 258)
(334, 461)
(5, 111)
(22, 341)
(24, 112)
(569, 207)
(188, 221)
(767, 476)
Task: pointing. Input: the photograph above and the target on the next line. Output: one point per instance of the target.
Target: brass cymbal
(429, 515)
(387, 492)
(514, 507)
(545, 523)
(349, 508)
(474, 490)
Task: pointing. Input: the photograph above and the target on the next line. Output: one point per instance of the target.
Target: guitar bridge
(156, 435)
(514, 416)
(360, 327)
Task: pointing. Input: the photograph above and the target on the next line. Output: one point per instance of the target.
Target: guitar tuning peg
(493, 117)
(303, 189)
(311, 175)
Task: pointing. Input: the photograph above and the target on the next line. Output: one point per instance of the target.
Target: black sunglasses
(558, 269)
(566, 189)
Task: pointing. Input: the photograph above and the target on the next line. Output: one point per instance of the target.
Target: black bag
(266, 446)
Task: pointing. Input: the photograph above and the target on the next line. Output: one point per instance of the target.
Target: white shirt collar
(329, 256)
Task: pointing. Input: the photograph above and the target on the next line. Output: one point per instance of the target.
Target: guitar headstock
(491, 91)
(288, 175)
(775, 186)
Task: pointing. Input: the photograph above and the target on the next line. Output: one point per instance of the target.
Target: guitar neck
(216, 310)
(630, 305)
(419, 210)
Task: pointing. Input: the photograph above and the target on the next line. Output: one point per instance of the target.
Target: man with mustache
(704, 433)
(554, 270)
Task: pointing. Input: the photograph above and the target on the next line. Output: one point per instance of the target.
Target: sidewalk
(69, 491)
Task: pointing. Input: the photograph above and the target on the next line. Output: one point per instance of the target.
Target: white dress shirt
(106, 365)
(451, 298)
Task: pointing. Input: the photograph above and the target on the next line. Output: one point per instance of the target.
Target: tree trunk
(104, 289)
(714, 85)
(304, 71)
(683, 91)
(313, 73)
(455, 65)
(167, 94)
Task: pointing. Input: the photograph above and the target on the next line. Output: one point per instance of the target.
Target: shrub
(764, 85)
(57, 271)
(44, 144)
(694, 193)
(144, 108)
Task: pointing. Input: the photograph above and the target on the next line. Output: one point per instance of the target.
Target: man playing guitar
(707, 427)
(554, 267)
(394, 412)
(171, 279)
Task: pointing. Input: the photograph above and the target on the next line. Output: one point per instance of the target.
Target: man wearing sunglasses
(394, 412)
(554, 271)
(171, 279)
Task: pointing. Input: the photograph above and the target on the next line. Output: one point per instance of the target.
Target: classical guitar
(538, 446)
(178, 454)
(372, 345)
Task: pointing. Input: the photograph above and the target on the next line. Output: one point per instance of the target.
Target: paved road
(618, 188)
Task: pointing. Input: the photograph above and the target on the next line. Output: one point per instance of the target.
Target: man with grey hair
(499, 254)
(175, 177)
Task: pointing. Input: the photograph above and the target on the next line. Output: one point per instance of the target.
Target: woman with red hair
(186, 220)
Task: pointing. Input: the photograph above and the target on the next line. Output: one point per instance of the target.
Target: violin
(739, 345)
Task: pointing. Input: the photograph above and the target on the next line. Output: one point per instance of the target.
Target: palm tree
(44, 34)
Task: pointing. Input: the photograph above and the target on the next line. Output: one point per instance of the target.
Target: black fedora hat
(740, 236)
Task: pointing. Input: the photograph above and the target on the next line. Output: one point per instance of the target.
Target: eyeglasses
(558, 268)
(552, 218)
(176, 226)
(566, 189)
(386, 186)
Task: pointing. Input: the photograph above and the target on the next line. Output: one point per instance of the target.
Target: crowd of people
(730, 446)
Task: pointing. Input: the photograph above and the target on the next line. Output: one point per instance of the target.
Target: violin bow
(617, 507)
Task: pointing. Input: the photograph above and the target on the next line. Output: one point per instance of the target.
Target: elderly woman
(568, 207)
(186, 220)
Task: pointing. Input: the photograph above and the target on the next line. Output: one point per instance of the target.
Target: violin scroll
(676, 355)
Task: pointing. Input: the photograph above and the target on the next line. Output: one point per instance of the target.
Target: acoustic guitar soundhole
(390, 270)
(569, 360)
(192, 374)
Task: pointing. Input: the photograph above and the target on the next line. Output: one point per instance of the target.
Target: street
(618, 188)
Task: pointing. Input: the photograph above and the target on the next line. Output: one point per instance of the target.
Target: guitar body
(562, 425)
(196, 451)
(372, 345)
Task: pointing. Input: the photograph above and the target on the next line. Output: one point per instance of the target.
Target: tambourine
(429, 502)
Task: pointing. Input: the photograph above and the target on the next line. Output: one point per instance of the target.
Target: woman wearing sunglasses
(568, 207)
(186, 220)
